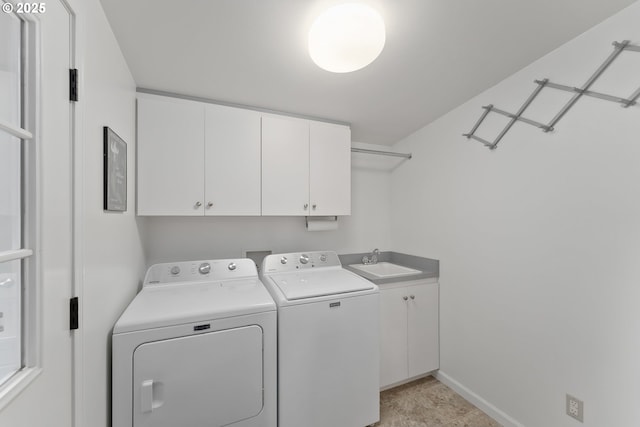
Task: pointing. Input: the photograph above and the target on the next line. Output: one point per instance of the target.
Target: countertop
(429, 268)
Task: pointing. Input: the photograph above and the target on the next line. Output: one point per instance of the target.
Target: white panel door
(285, 166)
(393, 336)
(170, 156)
(330, 169)
(423, 329)
(47, 400)
(232, 161)
(213, 379)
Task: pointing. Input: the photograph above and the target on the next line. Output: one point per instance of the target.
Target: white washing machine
(197, 348)
(328, 341)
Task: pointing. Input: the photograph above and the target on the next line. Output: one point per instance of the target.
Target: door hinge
(73, 313)
(73, 84)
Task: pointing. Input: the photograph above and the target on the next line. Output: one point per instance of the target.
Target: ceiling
(438, 54)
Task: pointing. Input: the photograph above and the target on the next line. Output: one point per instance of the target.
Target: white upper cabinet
(197, 159)
(232, 161)
(285, 166)
(306, 167)
(170, 156)
(330, 169)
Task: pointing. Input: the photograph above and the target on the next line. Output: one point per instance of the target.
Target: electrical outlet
(575, 408)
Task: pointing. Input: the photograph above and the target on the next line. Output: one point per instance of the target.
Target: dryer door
(205, 380)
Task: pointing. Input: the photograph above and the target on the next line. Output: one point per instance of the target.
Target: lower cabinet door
(423, 340)
(393, 335)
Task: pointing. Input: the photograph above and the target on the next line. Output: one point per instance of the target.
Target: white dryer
(196, 347)
(328, 341)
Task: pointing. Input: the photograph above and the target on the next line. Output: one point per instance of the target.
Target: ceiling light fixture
(346, 37)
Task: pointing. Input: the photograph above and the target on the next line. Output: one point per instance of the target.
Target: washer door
(211, 379)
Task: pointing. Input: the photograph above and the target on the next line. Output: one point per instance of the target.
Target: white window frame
(31, 327)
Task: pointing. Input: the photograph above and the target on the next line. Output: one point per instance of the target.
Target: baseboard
(478, 401)
(408, 380)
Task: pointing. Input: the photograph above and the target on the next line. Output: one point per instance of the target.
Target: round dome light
(346, 37)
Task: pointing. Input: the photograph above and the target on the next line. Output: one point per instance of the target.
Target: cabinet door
(170, 163)
(330, 169)
(393, 336)
(232, 161)
(285, 166)
(424, 354)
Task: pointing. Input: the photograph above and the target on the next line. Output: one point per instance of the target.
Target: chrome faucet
(372, 258)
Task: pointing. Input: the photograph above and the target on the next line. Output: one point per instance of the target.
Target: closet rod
(380, 153)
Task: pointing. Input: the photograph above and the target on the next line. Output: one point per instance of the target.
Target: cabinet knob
(314, 207)
(210, 205)
(306, 206)
(198, 204)
(413, 297)
(405, 298)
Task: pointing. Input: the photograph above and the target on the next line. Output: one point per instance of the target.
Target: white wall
(169, 239)
(539, 241)
(113, 259)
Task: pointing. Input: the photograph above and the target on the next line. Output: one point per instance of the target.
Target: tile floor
(429, 403)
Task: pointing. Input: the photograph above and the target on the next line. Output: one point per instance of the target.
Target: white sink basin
(385, 270)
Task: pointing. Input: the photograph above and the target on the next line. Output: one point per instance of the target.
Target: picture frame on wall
(115, 171)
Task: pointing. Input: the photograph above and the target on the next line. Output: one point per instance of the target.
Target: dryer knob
(304, 258)
(175, 270)
(323, 257)
(283, 260)
(232, 266)
(205, 268)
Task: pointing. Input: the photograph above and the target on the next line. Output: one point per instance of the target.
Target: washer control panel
(197, 271)
(299, 261)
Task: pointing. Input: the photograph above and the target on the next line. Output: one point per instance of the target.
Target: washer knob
(204, 268)
(304, 258)
(175, 270)
(323, 257)
(232, 266)
(283, 260)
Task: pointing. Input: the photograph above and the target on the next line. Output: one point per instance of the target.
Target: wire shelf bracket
(578, 92)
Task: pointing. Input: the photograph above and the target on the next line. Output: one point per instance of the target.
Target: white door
(213, 379)
(285, 166)
(170, 156)
(47, 399)
(330, 169)
(232, 161)
(393, 335)
(423, 329)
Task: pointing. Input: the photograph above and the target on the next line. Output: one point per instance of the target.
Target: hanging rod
(380, 153)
